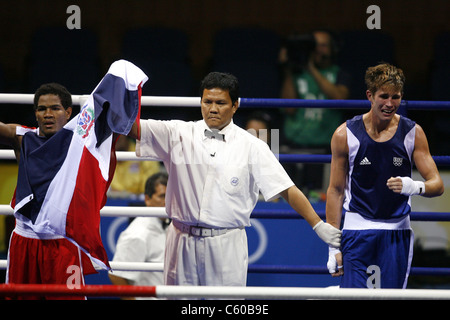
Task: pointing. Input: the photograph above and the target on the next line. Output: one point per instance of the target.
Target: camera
(299, 49)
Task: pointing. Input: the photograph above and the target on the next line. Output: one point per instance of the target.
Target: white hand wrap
(332, 263)
(411, 187)
(329, 234)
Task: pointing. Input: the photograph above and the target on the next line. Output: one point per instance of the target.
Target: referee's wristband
(411, 187)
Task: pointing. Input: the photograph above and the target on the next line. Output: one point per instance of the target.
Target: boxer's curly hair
(56, 89)
(383, 75)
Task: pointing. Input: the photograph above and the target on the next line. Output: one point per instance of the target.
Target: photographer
(313, 55)
(310, 72)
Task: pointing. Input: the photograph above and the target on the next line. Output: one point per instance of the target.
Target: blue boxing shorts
(376, 253)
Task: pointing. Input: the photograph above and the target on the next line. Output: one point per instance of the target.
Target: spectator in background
(144, 239)
(316, 76)
(259, 125)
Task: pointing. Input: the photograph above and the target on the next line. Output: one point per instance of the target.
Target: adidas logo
(365, 162)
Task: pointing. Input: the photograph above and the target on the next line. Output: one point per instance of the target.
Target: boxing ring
(239, 292)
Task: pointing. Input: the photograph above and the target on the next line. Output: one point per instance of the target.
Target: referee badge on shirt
(234, 181)
(397, 161)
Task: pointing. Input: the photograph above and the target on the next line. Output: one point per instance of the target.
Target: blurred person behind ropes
(311, 72)
(144, 239)
(258, 124)
(371, 166)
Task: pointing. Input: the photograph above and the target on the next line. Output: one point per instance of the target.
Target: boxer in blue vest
(371, 168)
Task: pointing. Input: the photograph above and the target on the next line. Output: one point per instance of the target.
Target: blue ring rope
(337, 104)
(291, 214)
(326, 158)
(297, 269)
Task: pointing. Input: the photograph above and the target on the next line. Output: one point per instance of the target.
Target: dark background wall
(413, 25)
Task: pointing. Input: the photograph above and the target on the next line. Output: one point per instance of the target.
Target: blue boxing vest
(371, 164)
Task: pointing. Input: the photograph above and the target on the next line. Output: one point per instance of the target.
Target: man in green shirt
(320, 78)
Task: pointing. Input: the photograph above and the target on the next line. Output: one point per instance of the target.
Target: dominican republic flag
(62, 181)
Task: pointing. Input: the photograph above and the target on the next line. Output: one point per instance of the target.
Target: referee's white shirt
(212, 183)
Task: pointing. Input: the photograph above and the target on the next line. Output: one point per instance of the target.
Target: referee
(216, 171)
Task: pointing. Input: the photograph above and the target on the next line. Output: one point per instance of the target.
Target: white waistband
(25, 231)
(354, 221)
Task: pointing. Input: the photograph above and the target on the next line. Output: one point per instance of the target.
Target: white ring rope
(112, 211)
(119, 266)
(223, 292)
(286, 293)
(27, 98)
(121, 156)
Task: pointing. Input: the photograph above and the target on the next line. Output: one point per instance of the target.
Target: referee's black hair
(153, 181)
(224, 81)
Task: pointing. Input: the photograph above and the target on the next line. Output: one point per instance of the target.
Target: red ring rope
(13, 290)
